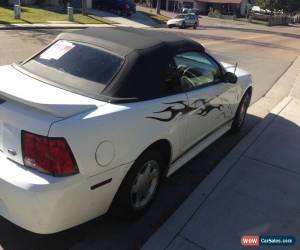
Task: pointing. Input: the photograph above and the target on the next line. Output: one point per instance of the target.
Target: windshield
(76, 65)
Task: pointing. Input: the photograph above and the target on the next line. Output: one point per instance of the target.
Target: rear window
(76, 65)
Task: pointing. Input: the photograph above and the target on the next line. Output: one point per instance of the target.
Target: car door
(169, 112)
(210, 99)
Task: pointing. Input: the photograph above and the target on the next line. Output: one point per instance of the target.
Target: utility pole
(84, 7)
(158, 4)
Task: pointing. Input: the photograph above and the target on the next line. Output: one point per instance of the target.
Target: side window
(196, 69)
(171, 80)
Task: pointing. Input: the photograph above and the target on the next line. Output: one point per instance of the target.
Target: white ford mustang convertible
(100, 117)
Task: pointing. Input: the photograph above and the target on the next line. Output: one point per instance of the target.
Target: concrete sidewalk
(253, 191)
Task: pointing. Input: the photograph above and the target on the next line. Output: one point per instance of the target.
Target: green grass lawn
(160, 19)
(38, 15)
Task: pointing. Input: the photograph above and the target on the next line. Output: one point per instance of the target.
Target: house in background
(226, 7)
(238, 7)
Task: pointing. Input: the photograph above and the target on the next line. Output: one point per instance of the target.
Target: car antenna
(236, 64)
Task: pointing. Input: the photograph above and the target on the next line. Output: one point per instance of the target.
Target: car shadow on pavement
(109, 232)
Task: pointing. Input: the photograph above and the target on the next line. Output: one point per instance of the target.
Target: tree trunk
(84, 7)
(158, 4)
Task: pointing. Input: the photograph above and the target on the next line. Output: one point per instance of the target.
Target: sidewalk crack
(267, 164)
(192, 242)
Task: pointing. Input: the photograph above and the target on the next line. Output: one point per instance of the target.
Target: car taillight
(49, 155)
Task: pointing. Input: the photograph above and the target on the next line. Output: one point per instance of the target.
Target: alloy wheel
(145, 185)
(243, 110)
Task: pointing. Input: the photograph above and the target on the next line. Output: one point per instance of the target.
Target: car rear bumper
(45, 204)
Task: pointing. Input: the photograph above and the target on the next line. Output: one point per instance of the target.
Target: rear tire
(140, 186)
(195, 26)
(241, 113)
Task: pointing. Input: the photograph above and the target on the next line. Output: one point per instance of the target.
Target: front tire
(140, 185)
(182, 25)
(195, 26)
(240, 115)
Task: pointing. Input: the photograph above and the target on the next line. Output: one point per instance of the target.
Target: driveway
(137, 20)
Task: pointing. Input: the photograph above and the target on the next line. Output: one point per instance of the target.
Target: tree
(179, 4)
(293, 5)
(287, 5)
(158, 4)
(84, 7)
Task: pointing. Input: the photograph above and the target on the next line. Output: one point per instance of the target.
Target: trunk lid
(60, 103)
(31, 105)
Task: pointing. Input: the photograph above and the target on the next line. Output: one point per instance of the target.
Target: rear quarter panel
(125, 126)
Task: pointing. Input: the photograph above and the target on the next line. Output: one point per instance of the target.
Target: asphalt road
(267, 55)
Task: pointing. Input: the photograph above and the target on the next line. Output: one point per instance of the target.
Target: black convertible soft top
(146, 54)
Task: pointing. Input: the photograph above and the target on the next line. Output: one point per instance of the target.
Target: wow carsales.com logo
(255, 240)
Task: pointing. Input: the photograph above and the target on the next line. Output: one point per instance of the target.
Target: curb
(165, 235)
(84, 26)
(282, 88)
(38, 27)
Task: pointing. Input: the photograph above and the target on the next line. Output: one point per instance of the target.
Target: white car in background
(100, 117)
(183, 21)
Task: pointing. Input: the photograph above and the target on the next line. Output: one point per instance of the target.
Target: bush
(217, 13)
(214, 13)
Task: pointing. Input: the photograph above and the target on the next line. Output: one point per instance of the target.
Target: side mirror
(230, 77)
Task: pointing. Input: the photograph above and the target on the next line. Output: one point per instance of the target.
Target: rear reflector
(101, 184)
(49, 155)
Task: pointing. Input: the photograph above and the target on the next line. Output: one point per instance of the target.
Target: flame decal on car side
(202, 110)
(174, 112)
(207, 106)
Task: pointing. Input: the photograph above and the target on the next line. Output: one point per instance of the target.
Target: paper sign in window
(57, 50)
